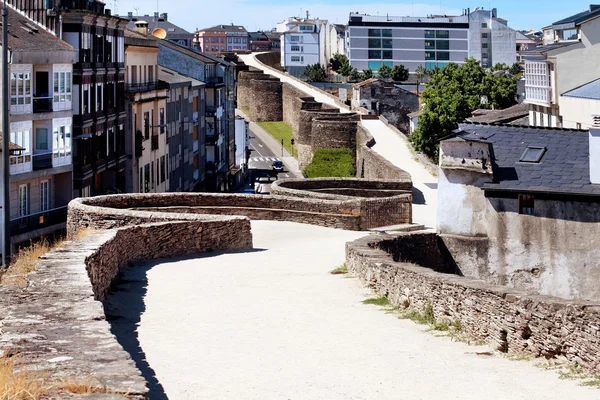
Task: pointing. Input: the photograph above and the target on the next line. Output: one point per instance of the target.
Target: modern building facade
(222, 38)
(159, 26)
(218, 75)
(430, 41)
(146, 104)
(304, 42)
(554, 69)
(41, 129)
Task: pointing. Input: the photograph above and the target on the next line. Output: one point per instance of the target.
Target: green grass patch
(280, 131)
(342, 269)
(378, 301)
(331, 163)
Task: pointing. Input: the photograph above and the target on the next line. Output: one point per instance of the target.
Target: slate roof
(25, 35)
(173, 31)
(590, 90)
(548, 47)
(225, 28)
(592, 12)
(173, 77)
(501, 116)
(563, 169)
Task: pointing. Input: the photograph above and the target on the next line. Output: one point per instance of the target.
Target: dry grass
(19, 385)
(26, 260)
(86, 386)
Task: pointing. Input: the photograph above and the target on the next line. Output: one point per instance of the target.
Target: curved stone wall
(266, 104)
(413, 270)
(304, 133)
(341, 188)
(335, 131)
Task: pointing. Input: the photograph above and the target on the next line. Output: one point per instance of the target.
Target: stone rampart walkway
(389, 144)
(274, 324)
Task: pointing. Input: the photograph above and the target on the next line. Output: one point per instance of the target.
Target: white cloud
(190, 15)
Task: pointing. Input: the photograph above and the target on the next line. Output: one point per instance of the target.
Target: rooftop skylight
(533, 154)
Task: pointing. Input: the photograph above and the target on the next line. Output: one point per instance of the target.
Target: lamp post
(6, 248)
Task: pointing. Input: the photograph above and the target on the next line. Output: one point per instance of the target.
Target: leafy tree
(355, 75)
(500, 67)
(346, 70)
(338, 61)
(384, 71)
(452, 93)
(367, 73)
(399, 73)
(315, 72)
(515, 69)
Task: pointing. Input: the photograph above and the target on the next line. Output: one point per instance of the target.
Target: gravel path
(274, 324)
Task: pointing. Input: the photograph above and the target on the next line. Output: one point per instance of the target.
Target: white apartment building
(555, 70)
(303, 42)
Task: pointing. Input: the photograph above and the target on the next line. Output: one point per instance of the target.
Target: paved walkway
(389, 144)
(274, 324)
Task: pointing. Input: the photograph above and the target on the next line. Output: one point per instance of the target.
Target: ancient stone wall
(334, 131)
(305, 130)
(513, 321)
(370, 164)
(272, 59)
(266, 102)
(244, 90)
(291, 105)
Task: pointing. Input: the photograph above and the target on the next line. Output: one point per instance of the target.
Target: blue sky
(264, 14)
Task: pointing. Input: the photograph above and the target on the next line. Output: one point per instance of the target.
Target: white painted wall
(577, 113)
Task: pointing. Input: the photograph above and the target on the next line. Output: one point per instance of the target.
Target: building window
(44, 195)
(375, 32)
(429, 34)
(375, 43)
(429, 44)
(387, 54)
(62, 86)
(22, 139)
(442, 34)
(484, 35)
(41, 138)
(579, 125)
(375, 54)
(20, 88)
(429, 55)
(294, 38)
(526, 204)
(61, 149)
(161, 116)
(484, 45)
(306, 28)
(23, 200)
(295, 48)
(152, 174)
(484, 25)
(163, 169)
(568, 34)
(386, 32)
(141, 180)
(146, 178)
(146, 125)
(442, 44)
(386, 43)
(443, 55)
(295, 58)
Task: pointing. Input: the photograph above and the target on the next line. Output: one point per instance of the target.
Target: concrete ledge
(512, 321)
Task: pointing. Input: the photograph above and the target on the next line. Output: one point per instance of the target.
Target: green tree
(355, 75)
(515, 69)
(339, 61)
(500, 67)
(367, 73)
(420, 74)
(315, 72)
(452, 93)
(384, 72)
(399, 73)
(346, 70)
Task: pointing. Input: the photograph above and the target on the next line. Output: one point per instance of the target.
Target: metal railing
(42, 104)
(39, 220)
(144, 87)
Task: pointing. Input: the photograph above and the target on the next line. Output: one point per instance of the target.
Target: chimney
(141, 27)
(164, 16)
(156, 15)
(130, 15)
(494, 13)
(594, 136)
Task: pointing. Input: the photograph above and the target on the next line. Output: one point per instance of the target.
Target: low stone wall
(291, 105)
(272, 59)
(56, 323)
(510, 320)
(370, 164)
(265, 102)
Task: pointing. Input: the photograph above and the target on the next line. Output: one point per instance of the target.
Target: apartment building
(159, 26)
(222, 38)
(41, 131)
(147, 169)
(553, 71)
(258, 41)
(304, 42)
(219, 112)
(337, 40)
(432, 41)
(99, 115)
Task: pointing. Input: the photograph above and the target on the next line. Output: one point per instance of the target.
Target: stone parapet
(266, 102)
(512, 321)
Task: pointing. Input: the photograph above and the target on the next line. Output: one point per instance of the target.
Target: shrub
(331, 163)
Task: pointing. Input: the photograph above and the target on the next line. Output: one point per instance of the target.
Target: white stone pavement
(389, 144)
(274, 324)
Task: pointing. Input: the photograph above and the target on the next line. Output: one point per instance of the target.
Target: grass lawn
(331, 163)
(280, 130)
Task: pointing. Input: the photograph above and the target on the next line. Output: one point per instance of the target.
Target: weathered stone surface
(265, 103)
(510, 320)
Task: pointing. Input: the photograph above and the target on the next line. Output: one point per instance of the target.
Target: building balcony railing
(211, 139)
(214, 79)
(144, 87)
(42, 104)
(39, 220)
(42, 161)
(210, 111)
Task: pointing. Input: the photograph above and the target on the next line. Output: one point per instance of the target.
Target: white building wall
(308, 52)
(577, 113)
(504, 44)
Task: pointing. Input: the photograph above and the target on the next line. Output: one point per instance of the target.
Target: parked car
(277, 165)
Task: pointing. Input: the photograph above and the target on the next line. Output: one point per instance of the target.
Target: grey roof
(501, 116)
(225, 28)
(548, 47)
(563, 169)
(173, 31)
(172, 77)
(590, 90)
(592, 12)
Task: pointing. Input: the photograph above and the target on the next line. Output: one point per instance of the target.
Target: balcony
(42, 104)
(39, 220)
(144, 87)
(538, 95)
(211, 140)
(214, 79)
(42, 161)
(210, 111)
(154, 142)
